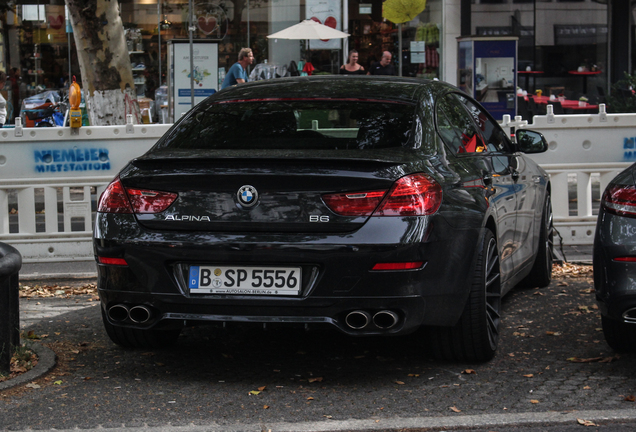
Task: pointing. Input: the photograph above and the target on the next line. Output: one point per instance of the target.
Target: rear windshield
(294, 124)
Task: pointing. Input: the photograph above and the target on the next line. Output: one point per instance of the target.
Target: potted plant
(582, 101)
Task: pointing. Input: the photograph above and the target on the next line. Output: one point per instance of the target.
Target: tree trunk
(107, 80)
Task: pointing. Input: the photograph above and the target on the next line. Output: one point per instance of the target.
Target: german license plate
(236, 280)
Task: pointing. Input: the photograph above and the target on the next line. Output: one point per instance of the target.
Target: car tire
(541, 274)
(476, 336)
(127, 337)
(621, 337)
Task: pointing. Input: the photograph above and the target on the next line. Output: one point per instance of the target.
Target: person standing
(238, 72)
(3, 101)
(383, 67)
(352, 67)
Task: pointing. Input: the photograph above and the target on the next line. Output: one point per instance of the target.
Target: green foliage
(622, 98)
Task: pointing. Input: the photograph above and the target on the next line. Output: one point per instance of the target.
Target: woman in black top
(352, 67)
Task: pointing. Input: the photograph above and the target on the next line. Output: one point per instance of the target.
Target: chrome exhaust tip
(358, 320)
(139, 314)
(118, 313)
(385, 319)
(630, 315)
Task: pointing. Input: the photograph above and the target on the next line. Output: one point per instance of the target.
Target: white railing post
(4, 212)
(26, 210)
(583, 194)
(560, 200)
(50, 209)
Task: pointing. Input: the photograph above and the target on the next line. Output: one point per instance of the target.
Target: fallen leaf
(327, 416)
(265, 406)
(262, 388)
(534, 401)
(630, 398)
(593, 359)
(585, 422)
(529, 375)
(32, 385)
(310, 398)
(455, 409)
(317, 379)
(254, 392)
(59, 382)
(400, 382)
(552, 333)
(414, 375)
(469, 371)
(31, 335)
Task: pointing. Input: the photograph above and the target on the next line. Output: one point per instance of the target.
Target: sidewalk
(552, 368)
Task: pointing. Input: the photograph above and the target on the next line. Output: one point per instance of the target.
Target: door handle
(515, 175)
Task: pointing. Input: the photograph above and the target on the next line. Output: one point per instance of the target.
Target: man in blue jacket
(238, 72)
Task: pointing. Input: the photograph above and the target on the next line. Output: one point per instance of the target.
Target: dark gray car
(615, 261)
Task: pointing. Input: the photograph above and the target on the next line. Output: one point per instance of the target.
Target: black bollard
(10, 264)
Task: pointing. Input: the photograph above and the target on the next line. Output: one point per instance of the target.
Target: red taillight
(354, 204)
(620, 200)
(147, 201)
(112, 261)
(398, 266)
(117, 199)
(413, 195)
(625, 259)
(114, 199)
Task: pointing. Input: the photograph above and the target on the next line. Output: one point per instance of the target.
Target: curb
(46, 362)
(537, 419)
(54, 276)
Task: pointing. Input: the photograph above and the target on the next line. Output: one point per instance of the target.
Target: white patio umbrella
(309, 29)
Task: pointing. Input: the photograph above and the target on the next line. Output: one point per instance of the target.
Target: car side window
(456, 127)
(496, 138)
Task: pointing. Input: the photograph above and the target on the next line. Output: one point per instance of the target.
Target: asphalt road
(553, 367)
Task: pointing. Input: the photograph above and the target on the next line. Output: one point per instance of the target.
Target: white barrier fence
(50, 180)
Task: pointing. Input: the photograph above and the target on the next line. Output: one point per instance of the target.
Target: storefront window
(37, 47)
(421, 40)
(563, 45)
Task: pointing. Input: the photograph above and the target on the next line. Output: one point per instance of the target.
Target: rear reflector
(625, 259)
(117, 199)
(412, 195)
(620, 200)
(112, 261)
(398, 266)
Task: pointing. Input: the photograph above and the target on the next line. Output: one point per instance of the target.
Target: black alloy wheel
(476, 336)
(541, 274)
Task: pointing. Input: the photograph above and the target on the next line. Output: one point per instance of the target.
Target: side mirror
(529, 141)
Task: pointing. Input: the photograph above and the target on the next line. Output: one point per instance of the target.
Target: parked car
(376, 205)
(615, 261)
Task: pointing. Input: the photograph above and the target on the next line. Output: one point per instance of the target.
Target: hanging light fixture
(165, 24)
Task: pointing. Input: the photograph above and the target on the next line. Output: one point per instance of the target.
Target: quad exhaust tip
(385, 319)
(118, 313)
(358, 319)
(630, 315)
(138, 314)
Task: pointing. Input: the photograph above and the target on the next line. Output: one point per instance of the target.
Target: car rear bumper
(338, 277)
(615, 281)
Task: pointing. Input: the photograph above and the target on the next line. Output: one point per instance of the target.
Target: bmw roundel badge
(247, 195)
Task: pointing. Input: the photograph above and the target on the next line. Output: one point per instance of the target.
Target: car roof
(333, 86)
